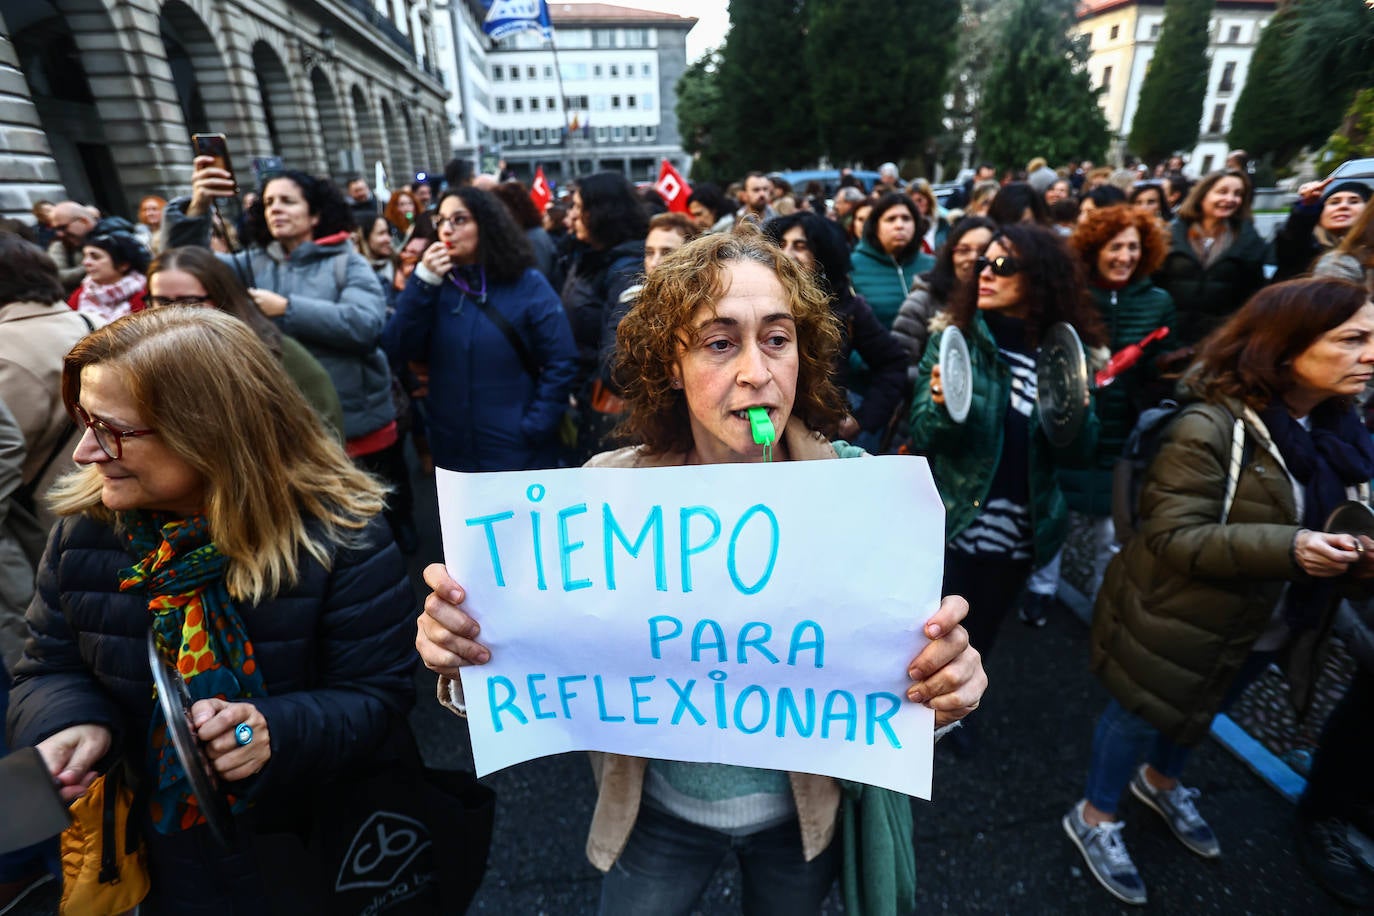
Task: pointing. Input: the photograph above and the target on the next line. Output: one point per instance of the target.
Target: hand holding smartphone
(207, 187)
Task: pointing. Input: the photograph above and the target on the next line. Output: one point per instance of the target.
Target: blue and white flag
(506, 17)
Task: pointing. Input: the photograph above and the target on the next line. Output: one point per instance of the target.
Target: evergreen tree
(1038, 99)
(1269, 120)
(879, 70)
(981, 23)
(765, 118)
(699, 110)
(1169, 113)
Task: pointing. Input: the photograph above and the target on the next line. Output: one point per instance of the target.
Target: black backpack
(1128, 474)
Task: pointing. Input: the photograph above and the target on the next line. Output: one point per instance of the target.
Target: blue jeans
(1123, 739)
(668, 862)
(22, 863)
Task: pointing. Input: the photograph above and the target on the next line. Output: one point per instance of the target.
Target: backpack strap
(1233, 470)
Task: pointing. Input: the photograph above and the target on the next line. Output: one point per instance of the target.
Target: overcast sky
(709, 32)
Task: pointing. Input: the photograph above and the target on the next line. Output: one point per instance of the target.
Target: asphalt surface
(989, 842)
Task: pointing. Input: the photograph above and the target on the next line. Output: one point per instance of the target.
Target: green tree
(1311, 60)
(764, 121)
(1169, 113)
(878, 74)
(1355, 138)
(981, 23)
(1038, 99)
(1269, 120)
(699, 110)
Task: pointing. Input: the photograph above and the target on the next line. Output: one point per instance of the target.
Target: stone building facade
(98, 98)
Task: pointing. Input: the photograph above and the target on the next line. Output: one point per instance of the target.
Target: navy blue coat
(337, 652)
(485, 412)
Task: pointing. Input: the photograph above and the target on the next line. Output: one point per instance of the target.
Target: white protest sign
(753, 614)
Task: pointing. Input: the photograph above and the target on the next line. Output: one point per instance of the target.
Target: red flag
(539, 191)
(672, 187)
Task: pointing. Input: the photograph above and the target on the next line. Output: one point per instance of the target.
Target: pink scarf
(106, 302)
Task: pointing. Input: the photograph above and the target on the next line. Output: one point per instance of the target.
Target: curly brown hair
(1102, 225)
(1249, 357)
(654, 331)
(1052, 287)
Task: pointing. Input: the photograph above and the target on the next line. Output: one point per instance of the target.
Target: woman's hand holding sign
(948, 672)
(446, 636)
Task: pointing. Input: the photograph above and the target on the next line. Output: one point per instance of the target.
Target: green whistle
(761, 426)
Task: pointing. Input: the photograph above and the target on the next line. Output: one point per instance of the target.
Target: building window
(646, 70)
(522, 137)
(1116, 31)
(1207, 163)
(1218, 115)
(598, 103)
(596, 71)
(648, 101)
(601, 134)
(649, 133)
(615, 103)
(636, 38)
(634, 132)
(498, 73)
(500, 106)
(574, 71)
(1154, 31)
(617, 133)
(631, 101)
(532, 72)
(537, 135)
(534, 104)
(515, 73)
(550, 103)
(1228, 77)
(603, 38)
(548, 73)
(505, 137)
(1233, 35)
(517, 105)
(615, 70)
(1106, 79)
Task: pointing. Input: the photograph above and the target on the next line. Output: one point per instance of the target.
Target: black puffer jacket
(597, 280)
(1204, 297)
(337, 652)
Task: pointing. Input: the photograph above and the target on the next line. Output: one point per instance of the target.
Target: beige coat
(620, 779)
(34, 338)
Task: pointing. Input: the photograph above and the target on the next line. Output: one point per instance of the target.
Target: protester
(858, 216)
(265, 573)
(114, 261)
(1353, 258)
(361, 201)
(516, 197)
(817, 245)
(610, 222)
(149, 228)
(1018, 202)
(1004, 511)
(1149, 197)
(1216, 258)
(889, 256)
(377, 245)
(1103, 195)
(756, 197)
(71, 223)
(1324, 212)
(937, 227)
(1120, 247)
(662, 827)
(1231, 564)
(195, 278)
(494, 336)
(401, 208)
(931, 291)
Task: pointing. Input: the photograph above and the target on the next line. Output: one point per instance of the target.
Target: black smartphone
(216, 146)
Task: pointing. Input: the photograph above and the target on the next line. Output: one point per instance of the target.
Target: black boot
(1325, 848)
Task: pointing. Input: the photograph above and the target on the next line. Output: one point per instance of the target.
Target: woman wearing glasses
(253, 549)
(195, 278)
(494, 334)
(1004, 512)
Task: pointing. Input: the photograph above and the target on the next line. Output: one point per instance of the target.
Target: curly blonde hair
(653, 333)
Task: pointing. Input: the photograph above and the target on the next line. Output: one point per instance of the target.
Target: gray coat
(1341, 266)
(912, 325)
(335, 307)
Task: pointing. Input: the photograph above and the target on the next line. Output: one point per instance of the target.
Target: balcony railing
(384, 25)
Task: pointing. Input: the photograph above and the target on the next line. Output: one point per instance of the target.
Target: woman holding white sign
(728, 336)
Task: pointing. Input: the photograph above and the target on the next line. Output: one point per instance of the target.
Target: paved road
(989, 842)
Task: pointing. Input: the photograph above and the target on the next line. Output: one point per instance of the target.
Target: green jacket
(883, 282)
(963, 456)
(1128, 314)
(1184, 602)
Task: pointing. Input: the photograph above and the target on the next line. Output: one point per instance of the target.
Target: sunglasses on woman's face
(1002, 265)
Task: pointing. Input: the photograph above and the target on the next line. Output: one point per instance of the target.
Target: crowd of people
(255, 513)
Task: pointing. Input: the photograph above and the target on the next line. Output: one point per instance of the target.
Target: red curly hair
(1102, 225)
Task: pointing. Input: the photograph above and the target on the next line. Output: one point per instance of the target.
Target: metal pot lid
(1061, 384)
(956, 374)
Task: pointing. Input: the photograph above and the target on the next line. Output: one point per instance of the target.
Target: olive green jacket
(1182, 605)
(963, 456)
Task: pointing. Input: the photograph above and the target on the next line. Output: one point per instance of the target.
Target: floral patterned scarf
(196, 626)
